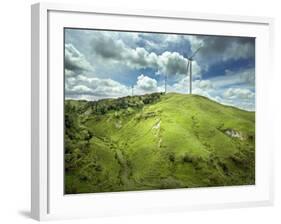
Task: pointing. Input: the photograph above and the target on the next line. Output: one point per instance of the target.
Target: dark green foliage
(76, 138)
(104, 106)
(172, 158)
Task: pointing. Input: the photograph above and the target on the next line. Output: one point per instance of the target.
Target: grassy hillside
(157, 141)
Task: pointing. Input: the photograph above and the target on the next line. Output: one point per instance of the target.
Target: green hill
(157, 141)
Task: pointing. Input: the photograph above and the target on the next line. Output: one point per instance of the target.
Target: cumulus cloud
(94, 88)
(146, 84)
(140, 58)
(74, 60)
(175, 64)
(243, 98)
(200, 87)
(243, 104)
(240, 77)
(238, 93)
(181, 86)
(167, 63)
(245, 76)
(69, 73)
(238, 97)
(83, 87)
(203, 84)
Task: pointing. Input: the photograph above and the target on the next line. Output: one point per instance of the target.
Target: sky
(108, 64)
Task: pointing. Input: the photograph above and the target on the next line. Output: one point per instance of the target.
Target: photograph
(154, 111)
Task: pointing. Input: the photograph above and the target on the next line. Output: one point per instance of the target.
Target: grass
(171, 141)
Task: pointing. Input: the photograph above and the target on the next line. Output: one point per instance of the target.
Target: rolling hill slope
(157, 141)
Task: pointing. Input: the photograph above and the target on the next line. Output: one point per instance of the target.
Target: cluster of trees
(88, 165)
(105, 105)
(76, 138)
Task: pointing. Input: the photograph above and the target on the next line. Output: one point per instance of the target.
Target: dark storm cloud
(216, 48)
(74, 60)
(107, 47)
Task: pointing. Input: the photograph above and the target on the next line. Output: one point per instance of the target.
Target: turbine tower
(189, 68)
(165, 83)
(132, 87)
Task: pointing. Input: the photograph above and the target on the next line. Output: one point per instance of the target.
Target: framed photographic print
(148, 111)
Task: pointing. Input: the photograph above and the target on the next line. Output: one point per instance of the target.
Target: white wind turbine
(166, 83)
(189, 67)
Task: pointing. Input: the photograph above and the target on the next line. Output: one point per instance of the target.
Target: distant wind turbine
(165, 83)
(189, 67)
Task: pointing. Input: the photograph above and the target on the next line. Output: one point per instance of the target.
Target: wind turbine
(189, 67)
(165, 83)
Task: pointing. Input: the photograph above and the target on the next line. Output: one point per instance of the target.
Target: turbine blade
(195, 52)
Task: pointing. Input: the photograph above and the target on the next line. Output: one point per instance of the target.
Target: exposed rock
(118, 124)
(234, 134)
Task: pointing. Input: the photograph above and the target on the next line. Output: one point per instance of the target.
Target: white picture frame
(47, 198)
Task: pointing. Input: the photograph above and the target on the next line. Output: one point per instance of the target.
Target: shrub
(170, 156)
(187, 158)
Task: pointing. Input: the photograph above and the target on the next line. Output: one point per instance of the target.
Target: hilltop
(157, 141)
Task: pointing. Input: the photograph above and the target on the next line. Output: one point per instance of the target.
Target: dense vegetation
(157, 141)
